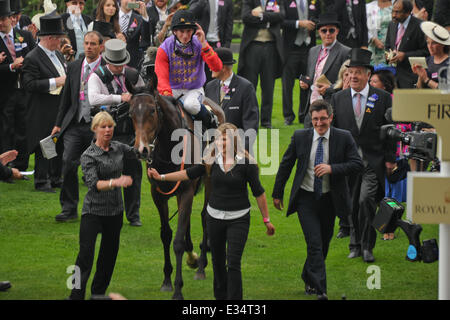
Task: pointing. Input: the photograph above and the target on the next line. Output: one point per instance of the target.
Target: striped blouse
(98, 164)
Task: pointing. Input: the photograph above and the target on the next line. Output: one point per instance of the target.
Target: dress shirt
(308, 180)
(405, 23)
(364, 95)
(59, 67)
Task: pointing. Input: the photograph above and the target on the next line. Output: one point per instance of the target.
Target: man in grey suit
(325, 59)
(361, 109)
(236, 95)
(325, 156)
(404, 36)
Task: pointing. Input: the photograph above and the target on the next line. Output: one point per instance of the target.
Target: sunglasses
(325, 30)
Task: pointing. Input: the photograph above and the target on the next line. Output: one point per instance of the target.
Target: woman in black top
(102, 212)
(228, 220)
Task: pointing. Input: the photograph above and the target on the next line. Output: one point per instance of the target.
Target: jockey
(180, 64)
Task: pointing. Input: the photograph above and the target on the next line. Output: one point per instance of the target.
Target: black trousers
(227, 241)
(77, 138)
(364, 188)
(14, 128)
(317, 220)
(295, 65)
(90, 227)
(260, 61)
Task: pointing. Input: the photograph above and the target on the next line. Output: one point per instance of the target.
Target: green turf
(35, 251)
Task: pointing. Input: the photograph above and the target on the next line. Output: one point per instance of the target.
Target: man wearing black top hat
(22, 21)
(74, 119)
(15, 44)
(361, 109)
(235, 95)
(44, 75)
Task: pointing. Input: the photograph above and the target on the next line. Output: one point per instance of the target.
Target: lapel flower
(312, 6)
(134, 24)
(225, 89)
(373, 97)
(19, 38)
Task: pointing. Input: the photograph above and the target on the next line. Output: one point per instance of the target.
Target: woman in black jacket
(228, 220)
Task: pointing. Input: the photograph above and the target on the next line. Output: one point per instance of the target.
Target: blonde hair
(239, 151)
(340, 82)
(100, 118)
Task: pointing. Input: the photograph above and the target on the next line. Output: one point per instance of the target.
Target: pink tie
(400, 33)
(358, 105)
(318, 72)
(10, 46)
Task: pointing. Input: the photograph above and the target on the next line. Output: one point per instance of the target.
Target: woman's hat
(104, 28)
(360, 58)
(436, 32)
(116, 52)
(5, 8)
(327, 19)
(51, 24)
(226, 55)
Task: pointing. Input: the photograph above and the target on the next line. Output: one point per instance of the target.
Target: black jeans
(227, 241)
(90, 227)
(317, 220)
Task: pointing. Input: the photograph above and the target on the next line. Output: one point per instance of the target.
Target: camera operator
(106, 87)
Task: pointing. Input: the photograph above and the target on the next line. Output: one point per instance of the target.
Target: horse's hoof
(177, 296)
(192, 260)
(166, 288)
(200, 276)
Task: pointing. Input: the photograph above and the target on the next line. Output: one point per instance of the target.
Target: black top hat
(328, 18)
(226, 55)
(183, 19)
(15, 6)
(360, 58)
(5, 9)
(51, 24)
(106, 29)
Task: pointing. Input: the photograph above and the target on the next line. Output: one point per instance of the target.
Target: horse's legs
(203, 260)
(184, 216)
(166, 237)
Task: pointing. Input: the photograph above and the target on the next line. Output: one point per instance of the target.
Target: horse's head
(147, 120)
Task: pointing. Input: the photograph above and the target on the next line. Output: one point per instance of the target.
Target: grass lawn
(35, 251)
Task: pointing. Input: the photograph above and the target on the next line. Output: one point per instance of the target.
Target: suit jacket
(8, 79)
(413, 44)
(68, 107)
(359, 15)
(224, 21)
(43, 106)
(343, 158)
(271, 20)
(70, 32)
(138, 38)
(336, 57)
(289, 23)
(374, 150)
(241, 109)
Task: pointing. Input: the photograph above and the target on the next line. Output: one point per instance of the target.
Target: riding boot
(208, 118)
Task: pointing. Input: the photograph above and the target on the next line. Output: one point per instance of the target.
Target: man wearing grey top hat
(44, 75)
(106, 87)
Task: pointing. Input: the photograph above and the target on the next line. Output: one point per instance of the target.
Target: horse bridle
(151, 146)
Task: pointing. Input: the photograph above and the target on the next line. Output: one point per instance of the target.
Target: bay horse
(155, 118)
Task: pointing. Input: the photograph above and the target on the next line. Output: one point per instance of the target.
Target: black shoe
(343, 233)
(322, 296)
(310, 290)
(136, 223)
(66, 216)
(4, 285)
(355, 253)
(45, 189)
(368, 256)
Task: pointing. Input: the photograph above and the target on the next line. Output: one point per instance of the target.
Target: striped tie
(124, 23)
(10, 45)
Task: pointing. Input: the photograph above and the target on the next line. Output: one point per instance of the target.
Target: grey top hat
(116, 52)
